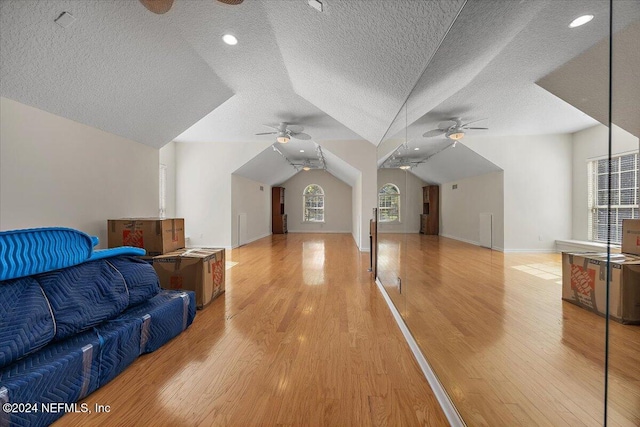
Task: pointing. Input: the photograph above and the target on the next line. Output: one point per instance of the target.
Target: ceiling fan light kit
(286, 131)
(452, 129)
(456, 136)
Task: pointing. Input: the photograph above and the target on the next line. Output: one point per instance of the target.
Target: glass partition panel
(507, 125)
(623, 374)
(393, 213)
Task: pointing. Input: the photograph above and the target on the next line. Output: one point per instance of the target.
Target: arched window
(313, 203)
(389, 203)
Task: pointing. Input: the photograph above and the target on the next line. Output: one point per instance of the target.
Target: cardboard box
(631, 236)
(201, 270)
(156, 235)
(584, 283)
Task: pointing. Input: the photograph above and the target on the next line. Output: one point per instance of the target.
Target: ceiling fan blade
(267, 133)
(232, 2)
(295, 128)
(272, 126)
(473, 121)
(434, 132)
(300, 135)
(447, 124)
(465, 128)
(157, 6)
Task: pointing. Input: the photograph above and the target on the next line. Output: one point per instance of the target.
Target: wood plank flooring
(301, 337)
(505, 346)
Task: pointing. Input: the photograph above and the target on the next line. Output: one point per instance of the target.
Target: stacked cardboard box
(584, 278)
(156, 235)
(201, 270)
(196, 269)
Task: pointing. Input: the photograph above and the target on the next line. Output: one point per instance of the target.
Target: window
(313, 202)
(624, 195)
(389, 203)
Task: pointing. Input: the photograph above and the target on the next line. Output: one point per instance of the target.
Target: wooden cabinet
(430, 218)
(278, 217)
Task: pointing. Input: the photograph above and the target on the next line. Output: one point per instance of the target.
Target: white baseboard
(536, 251)
(443, 398)
(253, 240)
(471, 242)
(500, 249)
(320, 231)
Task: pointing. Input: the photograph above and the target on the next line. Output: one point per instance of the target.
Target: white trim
(537, 251)
(583, 245)
(251, 240)
(471, 242)
(443, 398)
(495, 248)
(606, 156)
(321, 231)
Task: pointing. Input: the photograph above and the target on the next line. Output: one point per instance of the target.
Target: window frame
(320, 196)
(600, 235)
(384, 208)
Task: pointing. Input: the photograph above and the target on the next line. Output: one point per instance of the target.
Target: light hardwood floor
(301, 337)
(505, 346)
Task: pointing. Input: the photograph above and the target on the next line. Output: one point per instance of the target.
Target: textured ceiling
(342, 74)
(358, 61)
(115, 68)
(271, 167)
(453, 164)
(488, 65)
(590, 93)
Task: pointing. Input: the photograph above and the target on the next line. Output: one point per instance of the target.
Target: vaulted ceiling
(343, 73)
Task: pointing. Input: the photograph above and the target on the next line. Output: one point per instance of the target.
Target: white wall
(361, 155)
(537, 187)
(253, 199)
(57, 172)
(337, 203)
(357, 224)
(589, 144)
(460, 209)
(203, 188)
(168, 159)
(410, 187)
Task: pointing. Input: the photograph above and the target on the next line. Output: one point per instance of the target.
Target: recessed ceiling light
(580, 21)
(230, 40)
(416, 149)
(302, 151)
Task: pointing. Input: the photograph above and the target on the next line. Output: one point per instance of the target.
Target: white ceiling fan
(163, 6)
(286, 131)
(452, 129)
